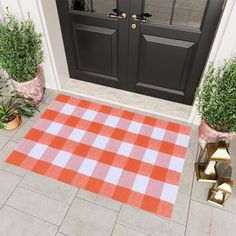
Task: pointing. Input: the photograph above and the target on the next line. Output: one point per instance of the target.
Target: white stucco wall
(50, 20)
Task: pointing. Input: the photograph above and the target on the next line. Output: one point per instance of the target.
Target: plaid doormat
(122, 155)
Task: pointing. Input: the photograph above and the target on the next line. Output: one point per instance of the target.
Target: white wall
(228, 44)
(20, 8)
(48, 11)
(224, 45)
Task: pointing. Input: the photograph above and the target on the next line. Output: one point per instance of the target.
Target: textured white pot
(32, 89)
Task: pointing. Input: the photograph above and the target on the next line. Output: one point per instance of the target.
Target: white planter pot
(32, 89)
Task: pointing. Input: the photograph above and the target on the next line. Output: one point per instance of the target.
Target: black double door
(153, 47)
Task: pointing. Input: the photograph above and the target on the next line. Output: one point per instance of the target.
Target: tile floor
(31, 204)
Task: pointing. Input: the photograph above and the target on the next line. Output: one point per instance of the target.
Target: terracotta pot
(13, 124)
(32, 89)
(209, 135)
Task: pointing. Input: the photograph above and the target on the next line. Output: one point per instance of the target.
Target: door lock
(133, 26)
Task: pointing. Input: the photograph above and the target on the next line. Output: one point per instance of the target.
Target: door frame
(47, 21)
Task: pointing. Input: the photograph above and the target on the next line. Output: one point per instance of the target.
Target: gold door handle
(121, 16)
(135, 18)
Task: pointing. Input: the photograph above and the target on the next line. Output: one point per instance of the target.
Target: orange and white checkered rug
(131, 158)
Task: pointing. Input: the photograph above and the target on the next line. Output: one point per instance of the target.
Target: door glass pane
(103, 6)
(70, 2)
(160, 10)
(189, 13)
(97, 6)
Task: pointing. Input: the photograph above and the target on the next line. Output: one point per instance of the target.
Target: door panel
(92, 44)
(166, 53)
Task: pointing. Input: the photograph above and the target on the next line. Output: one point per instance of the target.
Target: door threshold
(128, 100)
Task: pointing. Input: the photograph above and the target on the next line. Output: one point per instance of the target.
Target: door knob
(123, 15)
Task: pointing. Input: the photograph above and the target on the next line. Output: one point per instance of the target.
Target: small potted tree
(217, 103)
(13, 107)
(20, 56)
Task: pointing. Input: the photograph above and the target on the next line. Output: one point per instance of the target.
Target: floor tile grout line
(191, 193)
(87, 200)
(152, 214)
(211, 221)
(14, 189)
(21, 128)
(118, 214)
(23, 122)
(156, 215)
(67, 211)
(9, 140)
(3, 135)
(189, 205)
(5, 203)
(9, 172)
(36, 217)
(214, 207)
(42, 194)
(137, 230)
(61, 233)
(94, 203)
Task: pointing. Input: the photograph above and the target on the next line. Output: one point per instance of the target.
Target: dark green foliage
(217, 97)
(12, 104)
(20, 48)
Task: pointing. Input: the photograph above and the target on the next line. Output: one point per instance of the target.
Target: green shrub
(11, 104)
(217, 97)
(20, 48)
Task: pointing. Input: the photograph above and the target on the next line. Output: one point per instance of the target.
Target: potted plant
(20, 56)
(13, 107)
(217, 103)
